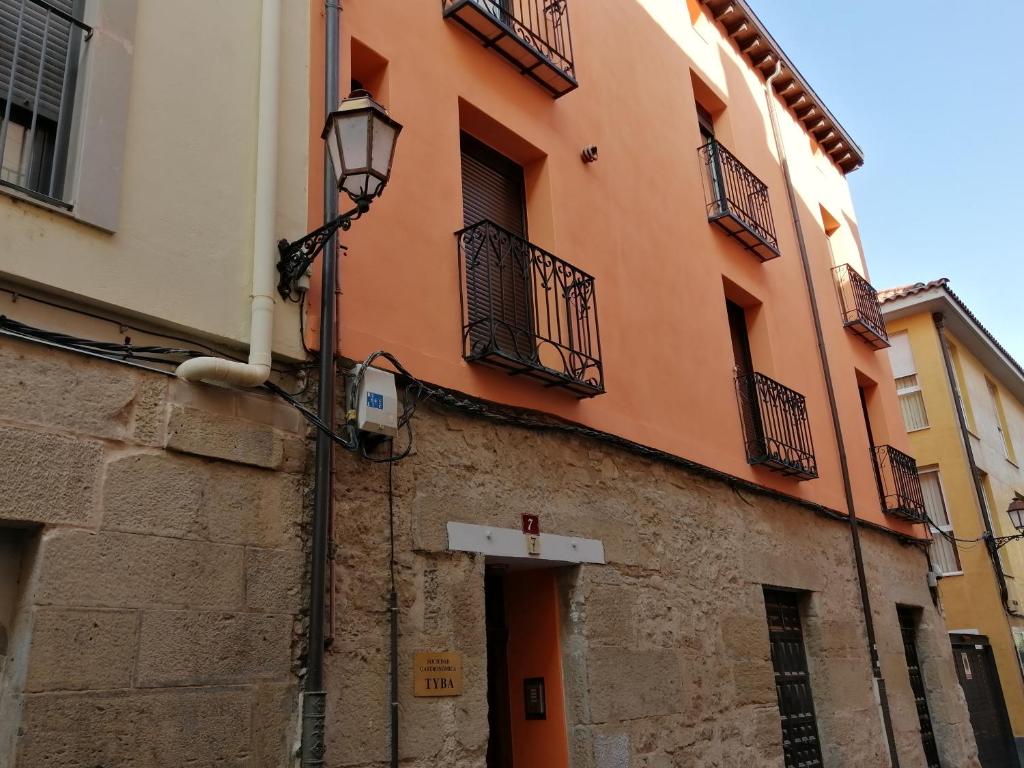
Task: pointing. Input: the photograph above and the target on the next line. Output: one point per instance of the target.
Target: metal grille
(899, 484)
(527, 310)
(41, 49)
(776, 429)
(909, 630)
(859, 304)
(737, 201)
(801, 746)
(534, 35)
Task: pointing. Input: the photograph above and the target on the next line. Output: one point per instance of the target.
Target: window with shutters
(908, 388)
(524, 309)
(999, 420)
(42, 48)
(944, 553)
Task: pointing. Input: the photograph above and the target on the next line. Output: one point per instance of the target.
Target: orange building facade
(602, 216)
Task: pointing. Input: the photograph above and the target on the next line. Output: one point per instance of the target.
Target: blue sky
(932, 92)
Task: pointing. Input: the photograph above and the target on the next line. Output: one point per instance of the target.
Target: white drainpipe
(264, 258)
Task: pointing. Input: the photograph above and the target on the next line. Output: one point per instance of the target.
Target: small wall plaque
(533, 699)
(437, 673)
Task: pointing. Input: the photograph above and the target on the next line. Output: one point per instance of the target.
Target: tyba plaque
(437, 673)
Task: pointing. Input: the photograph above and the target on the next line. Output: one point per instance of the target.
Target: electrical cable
(121, 325)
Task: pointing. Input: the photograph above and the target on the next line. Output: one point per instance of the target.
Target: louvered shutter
(497, 263)
(37, 25)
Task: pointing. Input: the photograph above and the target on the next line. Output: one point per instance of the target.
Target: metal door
(801, 745)
(908, 627)
(976, 669)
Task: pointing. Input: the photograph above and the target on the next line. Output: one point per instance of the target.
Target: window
(800, 742)
(907, 386)
(999, 419)
(943, 550)
(524, 309)
(42, 45)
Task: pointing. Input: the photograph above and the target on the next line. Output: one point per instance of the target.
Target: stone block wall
(666, 657)
(162, 568)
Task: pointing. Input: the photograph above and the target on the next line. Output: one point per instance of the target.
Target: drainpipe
(264, 256)
(865, 598)
(940, 327)
(314, 697)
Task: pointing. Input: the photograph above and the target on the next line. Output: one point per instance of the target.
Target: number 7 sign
(531, 524)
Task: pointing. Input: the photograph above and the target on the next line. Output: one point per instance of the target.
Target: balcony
(898, 484)
(858, 302)
(737, 201)
(533, 35)
(776, 429)
(528, 311)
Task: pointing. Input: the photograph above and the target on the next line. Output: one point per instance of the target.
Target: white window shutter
(104, 114)
(900, 356)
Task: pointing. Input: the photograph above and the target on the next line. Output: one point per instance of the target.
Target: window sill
(952, 573)
(24, 197)
(919, 429)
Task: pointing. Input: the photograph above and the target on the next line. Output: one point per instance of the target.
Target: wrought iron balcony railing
(776, 429)
(42, 51)
(528, 311)
(533, 35)
(737, 201)
(899, 484)
(859, 304)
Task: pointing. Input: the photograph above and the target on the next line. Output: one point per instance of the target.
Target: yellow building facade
(962, 399)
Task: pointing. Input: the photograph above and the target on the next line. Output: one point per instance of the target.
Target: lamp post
(361, 139)
(1016, 513)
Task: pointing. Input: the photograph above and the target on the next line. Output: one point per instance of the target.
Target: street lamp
(1016, 513)
(360, 138)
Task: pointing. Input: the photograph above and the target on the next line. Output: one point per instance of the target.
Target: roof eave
(757, 45)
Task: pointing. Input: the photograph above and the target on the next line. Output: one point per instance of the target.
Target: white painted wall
(181, 255)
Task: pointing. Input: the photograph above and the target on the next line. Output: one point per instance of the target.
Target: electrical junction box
(376, 404)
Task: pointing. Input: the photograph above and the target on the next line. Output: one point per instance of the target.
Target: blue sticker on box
(373, 400)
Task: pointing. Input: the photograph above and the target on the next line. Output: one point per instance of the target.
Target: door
(908, 627)
(713, 162)
(801, 745)
(526, 706)
(497, 257)
(746, 387)
(976, 670)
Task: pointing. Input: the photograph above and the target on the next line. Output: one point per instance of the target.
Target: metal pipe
(858, 556)
(314, 697)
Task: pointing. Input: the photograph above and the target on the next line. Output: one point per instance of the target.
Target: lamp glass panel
(1017, 518)
(383, 146)
(335, 152)
(356, 185)
(353, 133)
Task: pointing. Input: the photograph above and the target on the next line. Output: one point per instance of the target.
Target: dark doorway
(526, 703)
(499, 745)
(908, 627)
(976, 670)
(801, 745)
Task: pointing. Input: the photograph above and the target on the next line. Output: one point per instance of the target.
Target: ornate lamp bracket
(296, 256)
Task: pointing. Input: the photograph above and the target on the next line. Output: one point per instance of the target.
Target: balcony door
(746, 387)
(498, 256)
